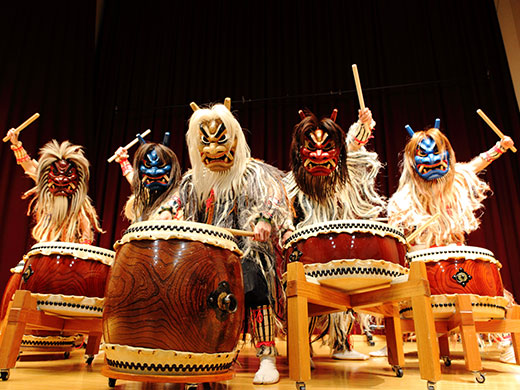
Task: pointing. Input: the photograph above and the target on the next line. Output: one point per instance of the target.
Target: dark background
(417, 60)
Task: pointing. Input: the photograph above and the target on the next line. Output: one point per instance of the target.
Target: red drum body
(68, 279)
(349, 254)
(463, 270)
(174, 302)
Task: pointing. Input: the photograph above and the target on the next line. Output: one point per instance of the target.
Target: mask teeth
(437, 123)
(166, 139)
(409, 130)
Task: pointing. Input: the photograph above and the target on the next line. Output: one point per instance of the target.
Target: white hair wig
(204, 179)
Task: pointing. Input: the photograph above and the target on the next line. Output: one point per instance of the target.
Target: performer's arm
(85, 227)
(29, 165)
(171, 209)
(126, 167)
(360, 132)
(484, 159)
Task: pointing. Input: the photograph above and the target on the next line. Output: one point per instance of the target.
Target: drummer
(226, 187)
(332, 177)
(154, 188)
(432, 181)
(61, 207)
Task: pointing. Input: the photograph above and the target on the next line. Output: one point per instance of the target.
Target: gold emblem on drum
(27, 273)
(462, 277)
(295, 255)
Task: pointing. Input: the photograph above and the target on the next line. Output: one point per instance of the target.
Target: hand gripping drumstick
(412, 236)
(136, 140)
(358, 86)
(493, 127)
(23, 125)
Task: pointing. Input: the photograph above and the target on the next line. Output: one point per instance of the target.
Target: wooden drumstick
(358, 86)
(23, 125)
(493, 127)
(136, 140)
(243, 233)
(418, 231)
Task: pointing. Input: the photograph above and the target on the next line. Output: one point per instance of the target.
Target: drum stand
(463, 322)
(23, 315)
(306, 299)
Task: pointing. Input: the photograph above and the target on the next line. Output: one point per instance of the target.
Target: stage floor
(375, 373)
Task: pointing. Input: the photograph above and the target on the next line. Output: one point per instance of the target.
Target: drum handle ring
(222, 299)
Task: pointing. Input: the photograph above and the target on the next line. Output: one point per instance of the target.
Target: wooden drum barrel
(349, 254)
(459, 269)
(68, 279)
(174, 301)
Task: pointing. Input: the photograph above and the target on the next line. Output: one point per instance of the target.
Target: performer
(432, 181)
(154, 188)
(333, 177)
(226, 187)
(62, 209)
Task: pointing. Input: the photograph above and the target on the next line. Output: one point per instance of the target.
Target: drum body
(462, 269)
(349, 254)
(68, 279)
(174, 301)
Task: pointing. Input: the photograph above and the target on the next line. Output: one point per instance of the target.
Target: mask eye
(223, 139)
(310, 145)
(204, 140)
(146, 163)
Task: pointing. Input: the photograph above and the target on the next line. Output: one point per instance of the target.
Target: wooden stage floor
(329, 374)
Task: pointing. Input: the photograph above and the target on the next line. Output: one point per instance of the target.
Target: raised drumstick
(136, 140)
(493, 127)
(418, 231)
(23, 125)
(358, 86)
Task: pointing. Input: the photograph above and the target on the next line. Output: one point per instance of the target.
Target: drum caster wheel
(66, 355)
(112, 382)
(300, 385)
(4, 374)
(430, 385)
(191, 386)
(89, 359)
(398, 371)
(480, 377)
(446, 360)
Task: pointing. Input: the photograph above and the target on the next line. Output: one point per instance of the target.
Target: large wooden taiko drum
(68, 279)
(349, 254)
(175, 301)
(459, 269)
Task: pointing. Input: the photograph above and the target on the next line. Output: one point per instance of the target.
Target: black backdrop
(417, 61)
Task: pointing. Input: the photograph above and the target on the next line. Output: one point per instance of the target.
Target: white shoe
(383, 352)
(349, 355)
(508, 356)
(267, 372)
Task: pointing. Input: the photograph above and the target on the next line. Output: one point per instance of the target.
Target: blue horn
(166, 139)
(409, 130)
(437, 123)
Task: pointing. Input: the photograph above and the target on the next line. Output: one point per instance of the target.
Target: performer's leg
(341, 325)
(262, 324)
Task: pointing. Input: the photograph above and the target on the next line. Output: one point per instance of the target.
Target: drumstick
(243, 233)
(493, 127)
(358, 86)
(136, 140)
(412, 236)
(23, 125)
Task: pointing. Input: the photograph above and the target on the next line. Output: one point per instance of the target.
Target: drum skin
(463, 276)
(157, 296)
(10, 289)
(337, 246)
(64, 274)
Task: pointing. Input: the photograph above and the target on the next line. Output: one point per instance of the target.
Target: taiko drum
(175, 300)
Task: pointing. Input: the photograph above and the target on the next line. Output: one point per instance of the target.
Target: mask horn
(334, 115)
(409, 130)
(302, 114)
(166, 139)
(227, 103)
(437, 123)
(194, 106)
(141, 139)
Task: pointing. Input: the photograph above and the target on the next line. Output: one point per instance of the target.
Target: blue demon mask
(430, 163)
(154, 173)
